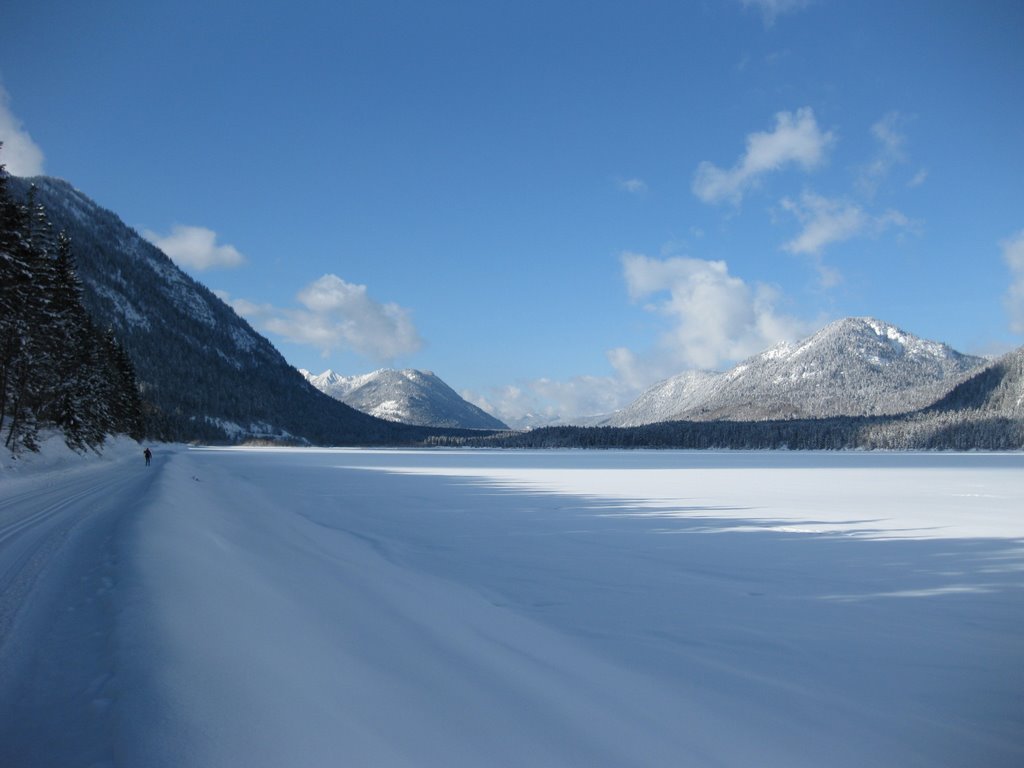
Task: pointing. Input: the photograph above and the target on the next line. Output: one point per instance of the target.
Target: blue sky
(549, 204)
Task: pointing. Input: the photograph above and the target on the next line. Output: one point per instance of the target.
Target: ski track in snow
(473, 608)
(59, 542)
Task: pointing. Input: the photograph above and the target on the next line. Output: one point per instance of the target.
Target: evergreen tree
(56, 369)
(125, 401)
(15, 295)
(26, 307)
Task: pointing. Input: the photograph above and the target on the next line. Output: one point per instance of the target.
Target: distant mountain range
(408, 396)
(857, 366)
(205, 374)
(984, 411)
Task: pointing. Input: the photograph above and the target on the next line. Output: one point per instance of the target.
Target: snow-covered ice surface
(469, 608)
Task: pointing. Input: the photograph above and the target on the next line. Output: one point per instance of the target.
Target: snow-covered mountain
(852, 367)
(408, 396)
(997, 389)
(205, 373)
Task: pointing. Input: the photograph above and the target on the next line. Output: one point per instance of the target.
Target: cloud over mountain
(713, 316)
(1013, 255)
(195, 248)
(795, 140)
(21, 154)
(336, 314)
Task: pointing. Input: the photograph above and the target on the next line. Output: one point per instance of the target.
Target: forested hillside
(997, 389)
(204, 373)
(57, 367)
(985, 412)
(956, 430)
(100, 333)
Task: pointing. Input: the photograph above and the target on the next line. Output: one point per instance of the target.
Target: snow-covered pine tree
(125, 403)
(78, 405)
(56, 368)
(26, 283)
(15, 284)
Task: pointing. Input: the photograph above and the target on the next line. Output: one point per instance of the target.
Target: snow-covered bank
(54, 455)
(449, 608)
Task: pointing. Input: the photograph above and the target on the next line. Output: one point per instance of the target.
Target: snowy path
(388, 608)
(60, 537)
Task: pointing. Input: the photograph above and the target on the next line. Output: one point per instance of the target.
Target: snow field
(285, 641)
(465, 608)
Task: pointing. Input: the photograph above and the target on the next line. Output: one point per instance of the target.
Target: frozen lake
(445, 608)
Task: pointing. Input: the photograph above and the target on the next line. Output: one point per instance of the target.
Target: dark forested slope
(58, 370)
(997, 389)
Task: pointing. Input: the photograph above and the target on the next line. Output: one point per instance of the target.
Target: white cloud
(715, 317)
(886, 131)
(245, 308)
(336, 314)
(772, 9)
(829, 220)
(795, 140)
(195, 248)
(919, 178)
(542, 401)
(633, 186)
(20, 153)
(1013, 255)
(825, 221)
(891, 151)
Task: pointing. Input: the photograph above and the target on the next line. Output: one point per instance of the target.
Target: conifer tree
(25, 305)
(56, 368)
(15, 293)
(125, 401)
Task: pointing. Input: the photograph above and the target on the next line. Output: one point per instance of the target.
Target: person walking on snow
(148, 454)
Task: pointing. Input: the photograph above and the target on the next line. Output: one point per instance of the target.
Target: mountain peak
(867, 326)
(409, 396)
(851, 367)
(205, 373)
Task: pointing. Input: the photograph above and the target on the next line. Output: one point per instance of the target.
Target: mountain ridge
(204, 372)
(207, 375)
(855, 366)
(997, 388)
(409, 396)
